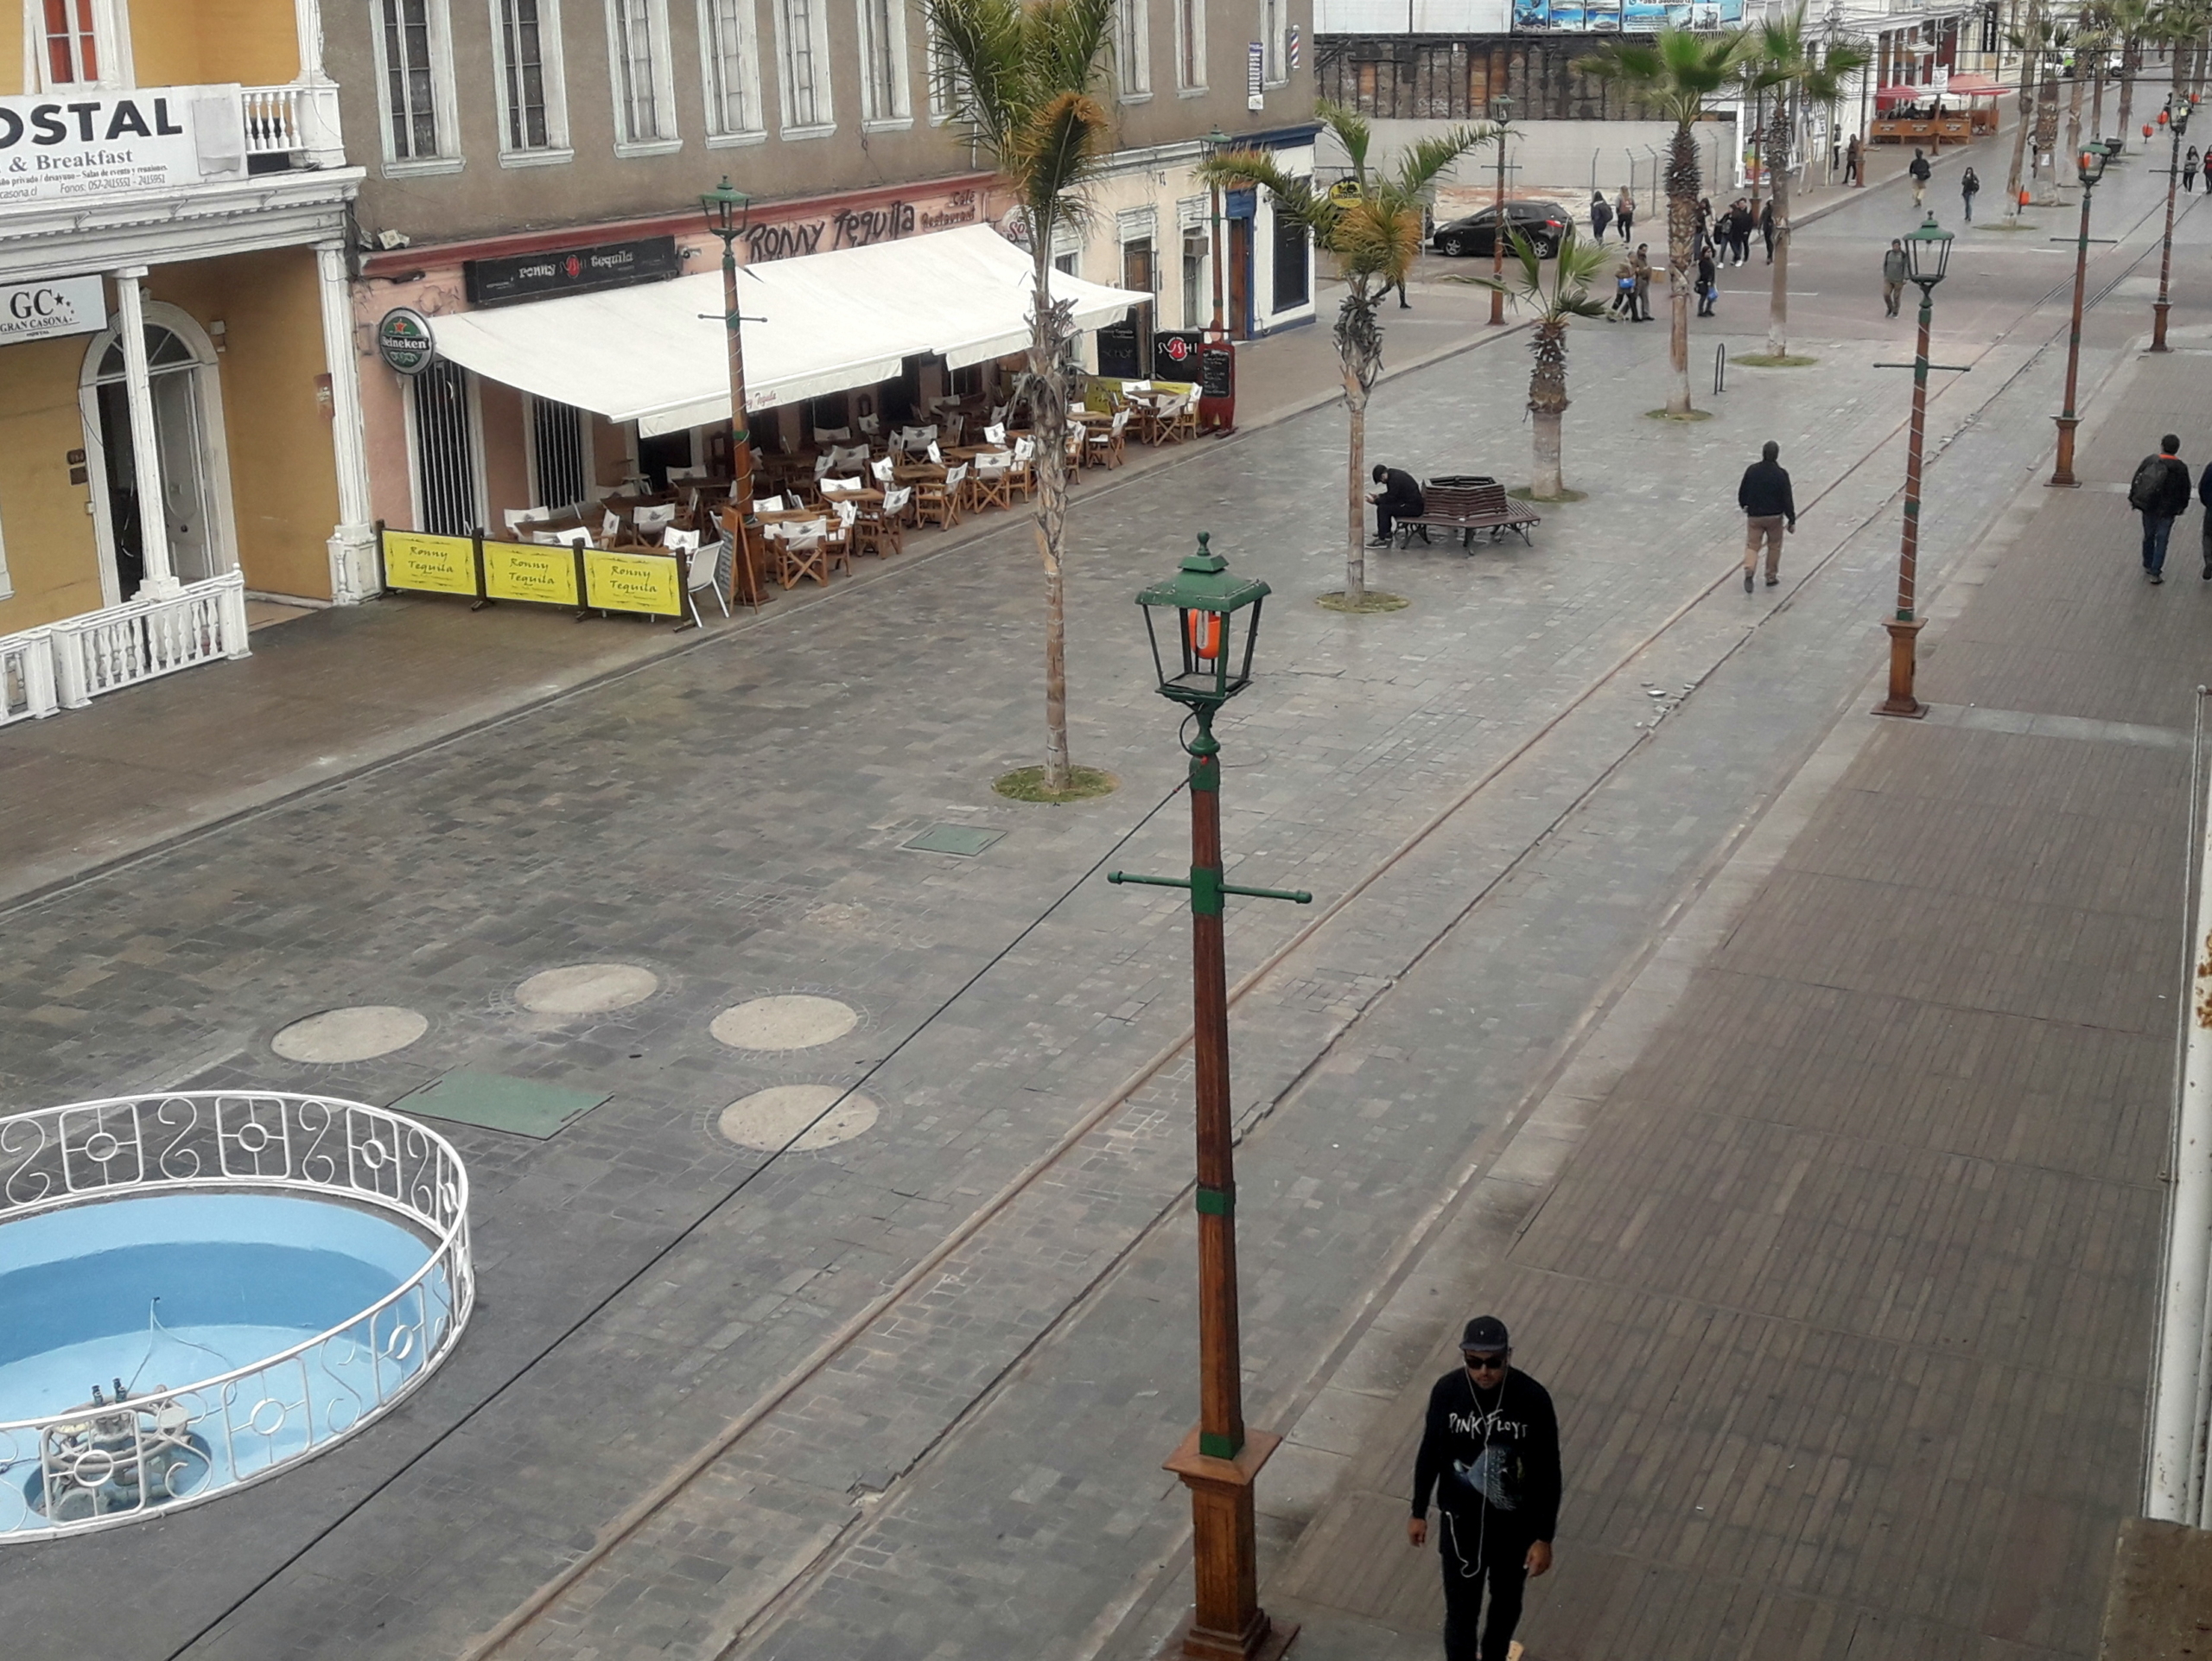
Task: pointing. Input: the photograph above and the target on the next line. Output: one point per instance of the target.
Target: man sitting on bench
(1399, 498)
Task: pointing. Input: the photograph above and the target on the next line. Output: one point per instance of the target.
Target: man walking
(1850, 161)
(1969, 187)
(1920, 171)
(1490, 1452)
(2205, 495)
(1895, 269)
(1625, 213)
(2159, 491)
(1640, 308)
(1399, 498)
(1768, 506)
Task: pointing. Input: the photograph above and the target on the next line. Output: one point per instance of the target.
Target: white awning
(817, 324)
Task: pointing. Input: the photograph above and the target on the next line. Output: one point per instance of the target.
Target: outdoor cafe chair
(884, 470)
(937, 500)
(936, 455)
(1107, 446)
(579, 538)
(994, 481)
(700, 570)
(884, 531)
(837, 543)
(996, 434)
(869, 426)
(610, 525)
(516, 518)
(833, 435)
(654, 516)
(801, 548)
(685, 475)
(767, 505)
(1021, 473)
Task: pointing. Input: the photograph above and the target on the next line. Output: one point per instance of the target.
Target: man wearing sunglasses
(1489, 1455)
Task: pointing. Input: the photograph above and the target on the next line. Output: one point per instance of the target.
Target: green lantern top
(1928, 249)
(727, 209)
(1208, 609)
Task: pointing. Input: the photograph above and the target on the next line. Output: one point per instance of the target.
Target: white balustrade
(122, 646)
(27, 676)
(297, 120)
(97, 1465)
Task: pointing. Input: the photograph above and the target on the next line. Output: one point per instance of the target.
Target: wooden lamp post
(1927, 251)
(2089, 167)
(1205, 661)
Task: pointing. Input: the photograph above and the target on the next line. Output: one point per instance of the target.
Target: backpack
(2143, 488)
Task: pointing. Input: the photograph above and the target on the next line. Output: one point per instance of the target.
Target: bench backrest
(1464, 496)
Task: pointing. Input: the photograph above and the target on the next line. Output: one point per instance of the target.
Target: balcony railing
(298, 122)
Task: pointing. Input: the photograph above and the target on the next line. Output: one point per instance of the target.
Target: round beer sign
(403, 340)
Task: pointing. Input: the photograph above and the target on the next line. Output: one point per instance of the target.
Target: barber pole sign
(1296, 42)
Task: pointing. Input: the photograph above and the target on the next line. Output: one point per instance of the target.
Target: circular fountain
(198, 1290)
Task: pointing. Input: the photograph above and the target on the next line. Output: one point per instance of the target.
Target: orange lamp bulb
(1204, 627)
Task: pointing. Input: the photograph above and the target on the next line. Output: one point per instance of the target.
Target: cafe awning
(821, 323)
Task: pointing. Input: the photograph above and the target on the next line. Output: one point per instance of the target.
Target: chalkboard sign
(1117, 352)
(1175, 353)
(1218, 371)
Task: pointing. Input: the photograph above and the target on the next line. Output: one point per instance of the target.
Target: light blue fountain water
(166, 1290)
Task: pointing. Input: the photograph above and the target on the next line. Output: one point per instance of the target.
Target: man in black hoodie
(1769, 506)
(2159, 491)
(1490, 1454)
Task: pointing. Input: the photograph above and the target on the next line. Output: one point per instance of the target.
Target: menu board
(614, 580)
(532, 571)
(433, 565)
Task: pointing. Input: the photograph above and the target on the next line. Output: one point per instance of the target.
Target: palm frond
(1350, 129)
(1426, 158)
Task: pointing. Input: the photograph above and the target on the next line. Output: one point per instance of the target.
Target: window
(1069, 263)
(645, 91)
(1275, 43)
(1292, 289)
(1133, 49)
(560, 459)
(883, 63)
(532, 105)
(414, 56)
(1190, 45)
(805, 65)
(730, 58)
(72, 48)
(1197, 310)
(446, 476)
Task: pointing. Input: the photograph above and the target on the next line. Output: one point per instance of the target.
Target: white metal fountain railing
(122, 646)
(98, 1467)
(26, 676)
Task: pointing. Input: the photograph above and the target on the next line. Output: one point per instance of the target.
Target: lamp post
(1501, 115)
(1203, 666)
(2179, 122)
(729, 213)
(1217, 143)
(1928, 251)
(2090, 166)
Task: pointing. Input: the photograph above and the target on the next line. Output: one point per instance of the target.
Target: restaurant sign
(859, 227)
(531, 572)
(648, 582)
(99, 144)
(62, 305)
(513, 278)
(427, 563)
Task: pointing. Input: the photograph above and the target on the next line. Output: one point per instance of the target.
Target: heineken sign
(403, 340)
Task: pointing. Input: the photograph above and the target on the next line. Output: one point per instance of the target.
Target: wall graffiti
(856, 227)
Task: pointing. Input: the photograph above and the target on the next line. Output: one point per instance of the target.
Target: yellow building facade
(178, 413)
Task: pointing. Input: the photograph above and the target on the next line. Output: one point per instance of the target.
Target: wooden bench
(1467, 503)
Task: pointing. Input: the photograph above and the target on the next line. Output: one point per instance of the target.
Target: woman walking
(1625, 213)
(1969, 186)
(1600, 216)
(1707, 289)
(2188, 170)
(1766, 228)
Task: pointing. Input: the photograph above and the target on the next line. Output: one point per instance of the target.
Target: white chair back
(823, 464)
(684, 475)
(699, 568)
(833, 435)
(656, 516)
(936, 455)
(884, 470)
(610, 525)
(847, 512)
(869, 426)
(518, 517)
(993, 462)
(1120, 419)
(999, 413)
(579, 538)
(679, 541)
(955, 477)
(840, 487)
(928, 434)
(1025, 449)
(894, 501)
(767, 504)
(995, 433)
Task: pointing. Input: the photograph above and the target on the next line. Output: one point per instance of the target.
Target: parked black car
(1542, 223)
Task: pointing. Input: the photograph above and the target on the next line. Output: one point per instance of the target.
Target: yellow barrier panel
(614, 580)
(530, 571)
(415, 559)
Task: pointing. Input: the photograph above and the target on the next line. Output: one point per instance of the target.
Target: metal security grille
(445, 456)
(556, 433)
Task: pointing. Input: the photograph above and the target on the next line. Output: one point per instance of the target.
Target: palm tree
(2032, 41)
(1787, 61)
(1373, 232)
(1565, 297)
(1675, 74)
(1021, 77)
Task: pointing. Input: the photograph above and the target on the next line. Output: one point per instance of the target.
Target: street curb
(49, 878)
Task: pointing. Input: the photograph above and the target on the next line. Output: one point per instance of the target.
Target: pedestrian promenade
(1846, 1294)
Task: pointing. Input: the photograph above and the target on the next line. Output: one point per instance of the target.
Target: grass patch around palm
(1027, 785)
(1529, 494)
(1373, 601)
(1773, 360)
(1668, 415)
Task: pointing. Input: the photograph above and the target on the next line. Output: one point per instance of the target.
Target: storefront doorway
(188, 428)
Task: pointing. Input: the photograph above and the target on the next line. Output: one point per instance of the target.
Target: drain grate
(962, 841)
(493, 1101)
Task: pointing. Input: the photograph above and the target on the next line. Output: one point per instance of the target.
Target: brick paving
(731, 819)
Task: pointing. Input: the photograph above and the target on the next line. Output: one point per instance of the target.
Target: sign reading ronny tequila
(63, 146)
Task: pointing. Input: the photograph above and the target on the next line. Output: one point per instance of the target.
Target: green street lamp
(1501, 116)
(2089, 167)
(2178, 121)
(730, 215)
(1928, 253)
(1204, 625)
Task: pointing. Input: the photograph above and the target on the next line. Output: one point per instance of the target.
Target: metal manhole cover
(963, 841)
(521, 1107)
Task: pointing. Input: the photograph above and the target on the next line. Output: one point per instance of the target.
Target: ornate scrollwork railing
(112, 1462)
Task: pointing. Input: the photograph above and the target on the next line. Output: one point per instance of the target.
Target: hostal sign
(99, 144)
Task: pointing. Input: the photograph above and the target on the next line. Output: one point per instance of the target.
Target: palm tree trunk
(1356, 469)
(2127, 84)
(1681, 229)
(1543, 426)
(2073, 109)
(1777, 151)
(2028, 87)
(1048, 416)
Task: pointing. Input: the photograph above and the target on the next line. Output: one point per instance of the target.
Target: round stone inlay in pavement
(360, 1034)
(768, 1119)
(790, 1021)
(587, 989)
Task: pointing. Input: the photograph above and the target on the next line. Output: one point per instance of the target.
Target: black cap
(1484, 1332)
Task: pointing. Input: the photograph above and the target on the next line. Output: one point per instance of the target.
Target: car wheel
(1455, 247)
(1547, 249)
